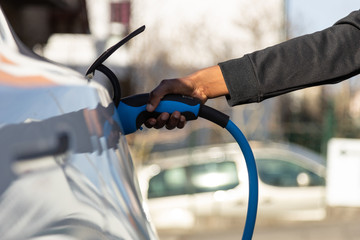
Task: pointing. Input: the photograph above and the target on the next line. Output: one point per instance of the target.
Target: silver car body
(65, 167)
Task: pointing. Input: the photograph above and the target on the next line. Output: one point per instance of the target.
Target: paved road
(338, 226)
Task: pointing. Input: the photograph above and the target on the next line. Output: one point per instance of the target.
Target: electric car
(65, 167)
(189, 189)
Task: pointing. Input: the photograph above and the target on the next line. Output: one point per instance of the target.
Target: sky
(313, 15)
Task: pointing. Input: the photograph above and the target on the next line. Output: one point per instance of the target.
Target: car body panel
(65, 171)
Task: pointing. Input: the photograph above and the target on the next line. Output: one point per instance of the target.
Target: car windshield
(283, 173)
(196, 178)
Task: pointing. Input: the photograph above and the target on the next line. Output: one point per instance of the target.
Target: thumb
(154, 100)
(151, 105)
(167, 86)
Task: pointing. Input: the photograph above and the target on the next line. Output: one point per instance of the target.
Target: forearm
(324, 57)
(208, 82)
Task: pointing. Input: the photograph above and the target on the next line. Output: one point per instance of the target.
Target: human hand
(203, 84)
(180, 86)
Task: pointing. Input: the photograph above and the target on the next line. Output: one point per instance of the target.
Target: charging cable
(133, 114)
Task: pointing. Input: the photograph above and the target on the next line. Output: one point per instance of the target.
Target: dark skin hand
(204, 84)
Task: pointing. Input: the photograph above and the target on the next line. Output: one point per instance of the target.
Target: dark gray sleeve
(324, 57)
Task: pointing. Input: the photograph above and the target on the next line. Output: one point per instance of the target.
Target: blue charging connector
(133, 114)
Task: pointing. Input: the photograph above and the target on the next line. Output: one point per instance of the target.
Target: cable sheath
(253, 179)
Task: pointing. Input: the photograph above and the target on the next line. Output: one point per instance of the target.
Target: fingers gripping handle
(133, 114)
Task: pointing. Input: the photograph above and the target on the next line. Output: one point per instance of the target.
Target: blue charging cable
(133, 114)
(253, 179)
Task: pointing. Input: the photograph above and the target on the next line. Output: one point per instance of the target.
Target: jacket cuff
(241, 81)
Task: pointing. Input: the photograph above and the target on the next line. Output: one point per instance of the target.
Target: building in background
(73, 32)
(108, 23)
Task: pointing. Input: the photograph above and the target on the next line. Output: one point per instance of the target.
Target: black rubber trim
(112, 49)
(114, 82)
(214, 115)
(142, 99)
(136, 100)
(144, 116)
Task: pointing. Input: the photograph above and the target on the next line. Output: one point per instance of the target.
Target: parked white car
(186, 186)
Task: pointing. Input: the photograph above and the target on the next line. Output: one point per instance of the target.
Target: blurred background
(182, 36)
